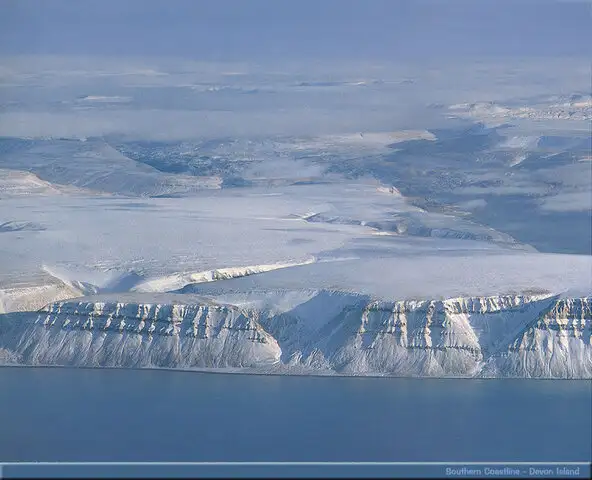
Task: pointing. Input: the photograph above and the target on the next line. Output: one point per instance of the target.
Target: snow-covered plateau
(179, 216)
(322, 332)
(338, 316)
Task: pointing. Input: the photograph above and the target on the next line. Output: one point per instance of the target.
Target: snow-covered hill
(578, 109)
(94, 165)
(322, 332)
(365, 220)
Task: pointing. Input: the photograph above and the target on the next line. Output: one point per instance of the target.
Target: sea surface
(81, 414)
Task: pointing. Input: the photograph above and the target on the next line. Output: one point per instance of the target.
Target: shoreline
(212, 371)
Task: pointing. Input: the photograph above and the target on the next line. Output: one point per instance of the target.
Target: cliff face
(504, 336)
(139, 335)
(558, 344)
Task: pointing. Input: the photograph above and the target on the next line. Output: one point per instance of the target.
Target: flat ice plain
(406, 221)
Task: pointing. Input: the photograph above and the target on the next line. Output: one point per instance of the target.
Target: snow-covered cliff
(322, 332)
(139, 335)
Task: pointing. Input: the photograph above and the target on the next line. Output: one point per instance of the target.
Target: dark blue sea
(115, 415)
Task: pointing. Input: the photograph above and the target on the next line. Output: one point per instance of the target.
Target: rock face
(325, 332)
(140, 335)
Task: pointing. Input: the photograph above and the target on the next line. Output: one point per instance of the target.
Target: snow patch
(105, 99)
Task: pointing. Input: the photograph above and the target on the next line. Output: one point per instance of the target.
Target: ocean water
(79, 414)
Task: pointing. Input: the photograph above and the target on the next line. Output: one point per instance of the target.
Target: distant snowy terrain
(372, 221)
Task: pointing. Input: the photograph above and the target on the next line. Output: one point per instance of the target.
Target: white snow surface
(198, 216)
(426, 276)
(98, 166)
(316, 332)
(294, 283)
(168, 242)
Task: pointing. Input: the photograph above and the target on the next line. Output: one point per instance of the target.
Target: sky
(260, 50)
(219, 30)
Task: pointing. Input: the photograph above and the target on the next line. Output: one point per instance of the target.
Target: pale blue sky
(266, 29)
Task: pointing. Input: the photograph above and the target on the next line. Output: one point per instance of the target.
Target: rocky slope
(325, 332)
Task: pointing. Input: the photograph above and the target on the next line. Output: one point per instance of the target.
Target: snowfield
(203, 220)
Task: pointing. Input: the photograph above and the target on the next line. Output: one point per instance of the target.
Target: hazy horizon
(229, 30)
